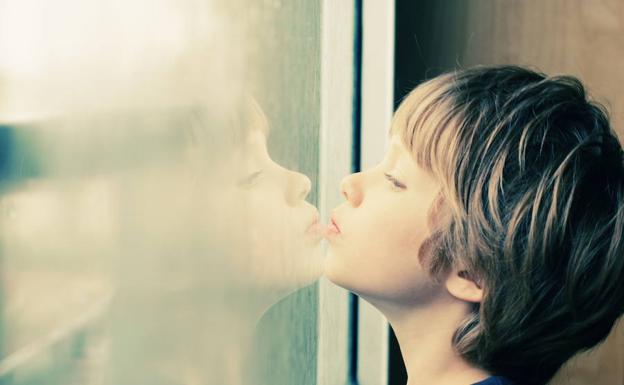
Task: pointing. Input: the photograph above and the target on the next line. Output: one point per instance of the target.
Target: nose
(298, 188)
(350, 187)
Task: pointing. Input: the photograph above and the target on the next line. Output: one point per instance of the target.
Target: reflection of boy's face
(381, 227)
(271, 233)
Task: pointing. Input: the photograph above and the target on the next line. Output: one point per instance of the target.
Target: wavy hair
(533, 178)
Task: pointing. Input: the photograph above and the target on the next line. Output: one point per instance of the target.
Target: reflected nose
(298, 189)
(350, 188)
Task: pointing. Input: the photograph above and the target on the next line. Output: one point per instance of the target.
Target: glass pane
(159, 172)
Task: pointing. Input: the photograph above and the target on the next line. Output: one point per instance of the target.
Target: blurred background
(163, 162)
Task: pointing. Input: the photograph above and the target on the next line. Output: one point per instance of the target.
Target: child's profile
(490, 235)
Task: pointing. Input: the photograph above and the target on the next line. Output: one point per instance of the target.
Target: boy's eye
(250, 179)
(395, 181)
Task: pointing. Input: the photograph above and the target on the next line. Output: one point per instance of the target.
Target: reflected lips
(315, 227)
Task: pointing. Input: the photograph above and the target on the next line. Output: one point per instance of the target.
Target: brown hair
(533, 178)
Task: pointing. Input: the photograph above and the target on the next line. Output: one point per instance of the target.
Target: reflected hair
(532, 180)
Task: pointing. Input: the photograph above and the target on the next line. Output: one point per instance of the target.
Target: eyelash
(250, 179)
(395, 182)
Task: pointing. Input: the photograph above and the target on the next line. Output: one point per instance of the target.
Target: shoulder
(495, 380)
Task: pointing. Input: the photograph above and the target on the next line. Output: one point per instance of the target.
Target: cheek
(279, 254)
(377, 255)
(247, 217)
(273, 226)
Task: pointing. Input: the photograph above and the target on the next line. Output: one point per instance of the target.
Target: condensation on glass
(157, 158)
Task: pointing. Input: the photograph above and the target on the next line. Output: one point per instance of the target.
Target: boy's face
(272, 232)
(261, 233)
(283, 227)
(380, 229)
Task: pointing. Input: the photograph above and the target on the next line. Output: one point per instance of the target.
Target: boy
(490, 236)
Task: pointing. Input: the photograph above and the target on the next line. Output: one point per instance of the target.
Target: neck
(424, 333)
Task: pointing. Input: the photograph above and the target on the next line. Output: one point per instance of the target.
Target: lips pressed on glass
(332, 227)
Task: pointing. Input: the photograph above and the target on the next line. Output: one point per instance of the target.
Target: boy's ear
(461, 285)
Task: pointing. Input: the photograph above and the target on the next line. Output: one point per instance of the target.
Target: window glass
(159, 176)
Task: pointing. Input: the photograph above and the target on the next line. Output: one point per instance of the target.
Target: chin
(304, 267)
(377, 286)
(338, 272)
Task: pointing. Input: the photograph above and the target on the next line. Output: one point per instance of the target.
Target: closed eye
(250, 179)
(395, 181)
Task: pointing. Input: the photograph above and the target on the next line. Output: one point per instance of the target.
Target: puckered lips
(333, 228)
(315, 229)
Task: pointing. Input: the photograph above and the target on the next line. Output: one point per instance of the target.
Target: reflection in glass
(150, 213)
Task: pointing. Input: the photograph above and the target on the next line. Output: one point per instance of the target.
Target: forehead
(396, 147)
(398, 157)
(401, 157)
